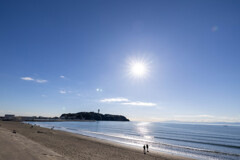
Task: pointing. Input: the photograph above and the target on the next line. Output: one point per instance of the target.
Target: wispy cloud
(63, 77)
(138, 103)
(41, 81)
(62, 92)
(35, 80)
(204, 118)
(114, 100)
(195, 116)
(204, 115)
(99, 89)
(125, 101)
(27, 78)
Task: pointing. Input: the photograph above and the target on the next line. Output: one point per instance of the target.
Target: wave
(164, 144)
(199, 135)
(215, 144)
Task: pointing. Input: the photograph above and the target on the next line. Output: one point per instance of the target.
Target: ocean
(198, 141)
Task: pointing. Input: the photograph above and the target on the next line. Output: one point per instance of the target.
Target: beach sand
(46, 144)
(15, 146)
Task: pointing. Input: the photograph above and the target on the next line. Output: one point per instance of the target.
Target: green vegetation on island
(93, 116)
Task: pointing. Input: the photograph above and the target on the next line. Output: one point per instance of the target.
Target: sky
(68, 56)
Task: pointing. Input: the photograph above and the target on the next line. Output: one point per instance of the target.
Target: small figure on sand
(52, 128)
(144, 149)
(147, 147)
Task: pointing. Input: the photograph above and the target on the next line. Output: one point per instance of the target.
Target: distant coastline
(60, 120)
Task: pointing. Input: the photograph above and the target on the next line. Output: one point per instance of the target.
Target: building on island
(9, 117)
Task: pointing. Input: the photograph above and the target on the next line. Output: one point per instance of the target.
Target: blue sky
(64, 56)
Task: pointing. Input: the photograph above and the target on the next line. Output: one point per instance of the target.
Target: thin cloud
(41, 81)
(138, 103)
(115, 100)
(204, 118)
(27, 78)
(62, 92)
(99, 89)
(125, 101)
(35, 80)
(195, 116)
(63, 77)
(208, 116)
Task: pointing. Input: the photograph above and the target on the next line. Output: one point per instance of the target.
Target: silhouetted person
(144, 149)
(147, 147)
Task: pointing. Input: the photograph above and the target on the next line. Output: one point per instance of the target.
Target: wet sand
(46, 144)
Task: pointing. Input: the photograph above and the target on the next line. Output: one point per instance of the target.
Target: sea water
(198, 141)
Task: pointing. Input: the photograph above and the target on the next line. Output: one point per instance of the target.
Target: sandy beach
(46, 144)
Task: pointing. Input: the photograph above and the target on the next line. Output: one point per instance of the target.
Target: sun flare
(138, 68)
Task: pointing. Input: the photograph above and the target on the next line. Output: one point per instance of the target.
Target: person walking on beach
(144, 149)
(147, 147)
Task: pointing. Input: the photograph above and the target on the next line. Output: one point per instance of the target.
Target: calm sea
(197, 141)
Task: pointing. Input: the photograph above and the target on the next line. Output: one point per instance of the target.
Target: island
(93, 116)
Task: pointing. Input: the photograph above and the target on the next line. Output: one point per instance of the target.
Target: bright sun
(138, 68)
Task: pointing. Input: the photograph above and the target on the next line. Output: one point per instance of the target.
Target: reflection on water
(142, 128)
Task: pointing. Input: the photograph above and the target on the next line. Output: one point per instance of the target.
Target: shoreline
(59, 120)
(75, 146)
